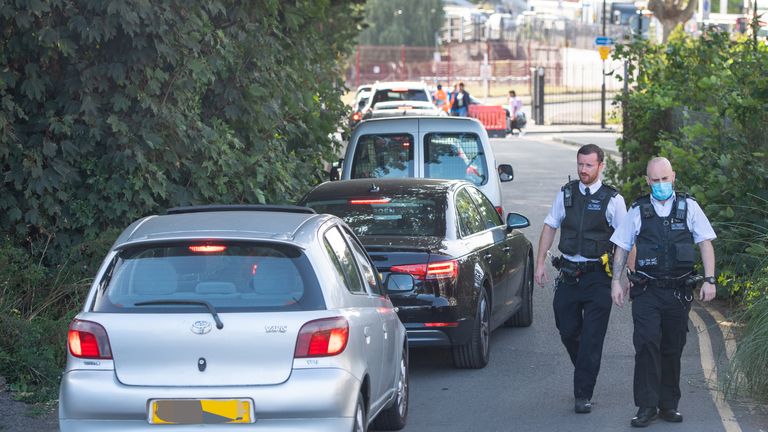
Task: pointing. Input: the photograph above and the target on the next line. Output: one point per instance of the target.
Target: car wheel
(524, 316)
(361, 421)
(475, 353)
(395, 416)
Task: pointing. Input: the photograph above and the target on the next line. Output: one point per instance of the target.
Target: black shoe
(671, 415)
(644, 417)
(582, 406)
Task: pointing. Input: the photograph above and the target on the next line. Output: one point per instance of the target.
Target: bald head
(659, 169)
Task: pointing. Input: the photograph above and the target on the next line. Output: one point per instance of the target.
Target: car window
(455, 156)
(344, 260)
(370, 274)
(231, 276)
(470, 219)
(414, 214)
(383, 156)
(386, 95)
(490, 216)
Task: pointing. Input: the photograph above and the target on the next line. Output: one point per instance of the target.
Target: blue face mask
(661, 191)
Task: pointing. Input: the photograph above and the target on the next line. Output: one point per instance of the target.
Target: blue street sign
(603, 40)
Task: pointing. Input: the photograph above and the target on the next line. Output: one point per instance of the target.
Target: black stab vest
(585, 231)
(665, 244)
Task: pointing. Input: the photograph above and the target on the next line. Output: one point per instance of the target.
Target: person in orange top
(441, 99)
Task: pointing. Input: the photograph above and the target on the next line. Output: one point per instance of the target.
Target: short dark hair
(439, 86)
(591, 148)
(461, 84)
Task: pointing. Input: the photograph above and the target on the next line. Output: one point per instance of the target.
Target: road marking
(710, 373)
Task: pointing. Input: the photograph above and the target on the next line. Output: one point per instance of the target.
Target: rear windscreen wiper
(209, 306)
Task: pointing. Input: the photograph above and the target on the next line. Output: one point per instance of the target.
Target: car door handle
(487, 256)
(506, 249)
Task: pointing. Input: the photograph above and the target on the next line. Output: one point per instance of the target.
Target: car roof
(281, 223)
(428, 122)
(381, 186)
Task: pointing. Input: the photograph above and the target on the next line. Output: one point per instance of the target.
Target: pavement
(579, 135)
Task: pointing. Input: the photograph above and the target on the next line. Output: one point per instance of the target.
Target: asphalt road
(528, 384)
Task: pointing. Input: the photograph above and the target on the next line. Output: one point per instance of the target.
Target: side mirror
(517, 221)
(399, 282)
(506, 173)
(336, 170)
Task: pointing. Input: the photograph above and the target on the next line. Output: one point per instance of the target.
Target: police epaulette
(613, 190)
(645, 199)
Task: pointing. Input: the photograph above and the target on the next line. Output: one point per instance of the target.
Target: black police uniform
(582, 302)
(660, 306)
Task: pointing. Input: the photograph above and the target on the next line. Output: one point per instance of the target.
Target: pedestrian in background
(515, 110)
(461, 102)
(663, 226)
(441, 98)
(588, 211)
(452, 100)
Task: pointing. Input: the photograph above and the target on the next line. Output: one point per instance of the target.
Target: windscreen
(383, 156)
(399, 215)
(455, 155)
(399, 94)
(231, 276)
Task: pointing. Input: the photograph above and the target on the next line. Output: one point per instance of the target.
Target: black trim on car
(240, 207)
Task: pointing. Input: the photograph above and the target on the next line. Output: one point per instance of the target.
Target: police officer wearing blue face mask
(587, 211)
(664, 227)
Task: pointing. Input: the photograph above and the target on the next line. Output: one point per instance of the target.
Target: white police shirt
(614, 213)
(626, 234)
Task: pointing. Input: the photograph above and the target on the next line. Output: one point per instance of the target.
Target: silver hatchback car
(255, 318)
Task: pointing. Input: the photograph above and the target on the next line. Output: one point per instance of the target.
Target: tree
(671, 13)
(402, 22)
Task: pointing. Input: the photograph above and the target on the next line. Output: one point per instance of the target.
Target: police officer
(663, 227)
(588, 211)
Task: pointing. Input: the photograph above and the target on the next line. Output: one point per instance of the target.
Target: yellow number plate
(200, 411)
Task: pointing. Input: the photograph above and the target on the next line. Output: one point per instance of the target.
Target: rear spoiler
(391, 248)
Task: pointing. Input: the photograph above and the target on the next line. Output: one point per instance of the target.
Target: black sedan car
(454, 269)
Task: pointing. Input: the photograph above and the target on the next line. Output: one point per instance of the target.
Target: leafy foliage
(402, 22)
(112, 110)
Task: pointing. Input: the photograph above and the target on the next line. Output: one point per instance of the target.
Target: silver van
(425, 147)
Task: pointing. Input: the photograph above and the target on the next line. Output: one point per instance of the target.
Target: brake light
(88, 340)
(357, 116)
(500, 211)
(400, 89)
(431, 271)
(207, 248)
(441, 324)
(370, 201)
(322, 338)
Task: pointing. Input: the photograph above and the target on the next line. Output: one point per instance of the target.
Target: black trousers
(661, 326)
(582, 309)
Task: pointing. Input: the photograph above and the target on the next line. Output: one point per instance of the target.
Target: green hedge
(112, 110)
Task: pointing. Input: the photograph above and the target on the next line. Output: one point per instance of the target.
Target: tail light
(357, 116)
(322, 338)
(431, 271)
(207, 248)
(500, 211)
(88, 340)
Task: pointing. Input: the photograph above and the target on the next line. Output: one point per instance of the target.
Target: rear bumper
(421, 336)
(311, 400)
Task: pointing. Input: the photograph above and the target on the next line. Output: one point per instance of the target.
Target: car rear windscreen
(399, 215)
(231, 276)
(398, 95)
(383, 156)
(455, 155)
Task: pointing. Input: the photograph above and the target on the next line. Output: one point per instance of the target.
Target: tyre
(475, 353)
(394, 417)
(361, 416)
(524, 316)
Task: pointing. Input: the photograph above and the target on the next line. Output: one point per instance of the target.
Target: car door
(364, 307)
(502, 251)
(387, 315)
(479, 241)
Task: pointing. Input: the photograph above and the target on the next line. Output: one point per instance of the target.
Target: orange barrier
(493, 117)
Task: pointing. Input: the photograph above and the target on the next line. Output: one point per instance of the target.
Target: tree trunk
(672, 12)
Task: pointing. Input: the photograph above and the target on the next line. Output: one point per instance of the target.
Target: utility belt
(683, 285)
(576, 269)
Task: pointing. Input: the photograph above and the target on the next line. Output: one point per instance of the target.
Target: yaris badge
(201, 327)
